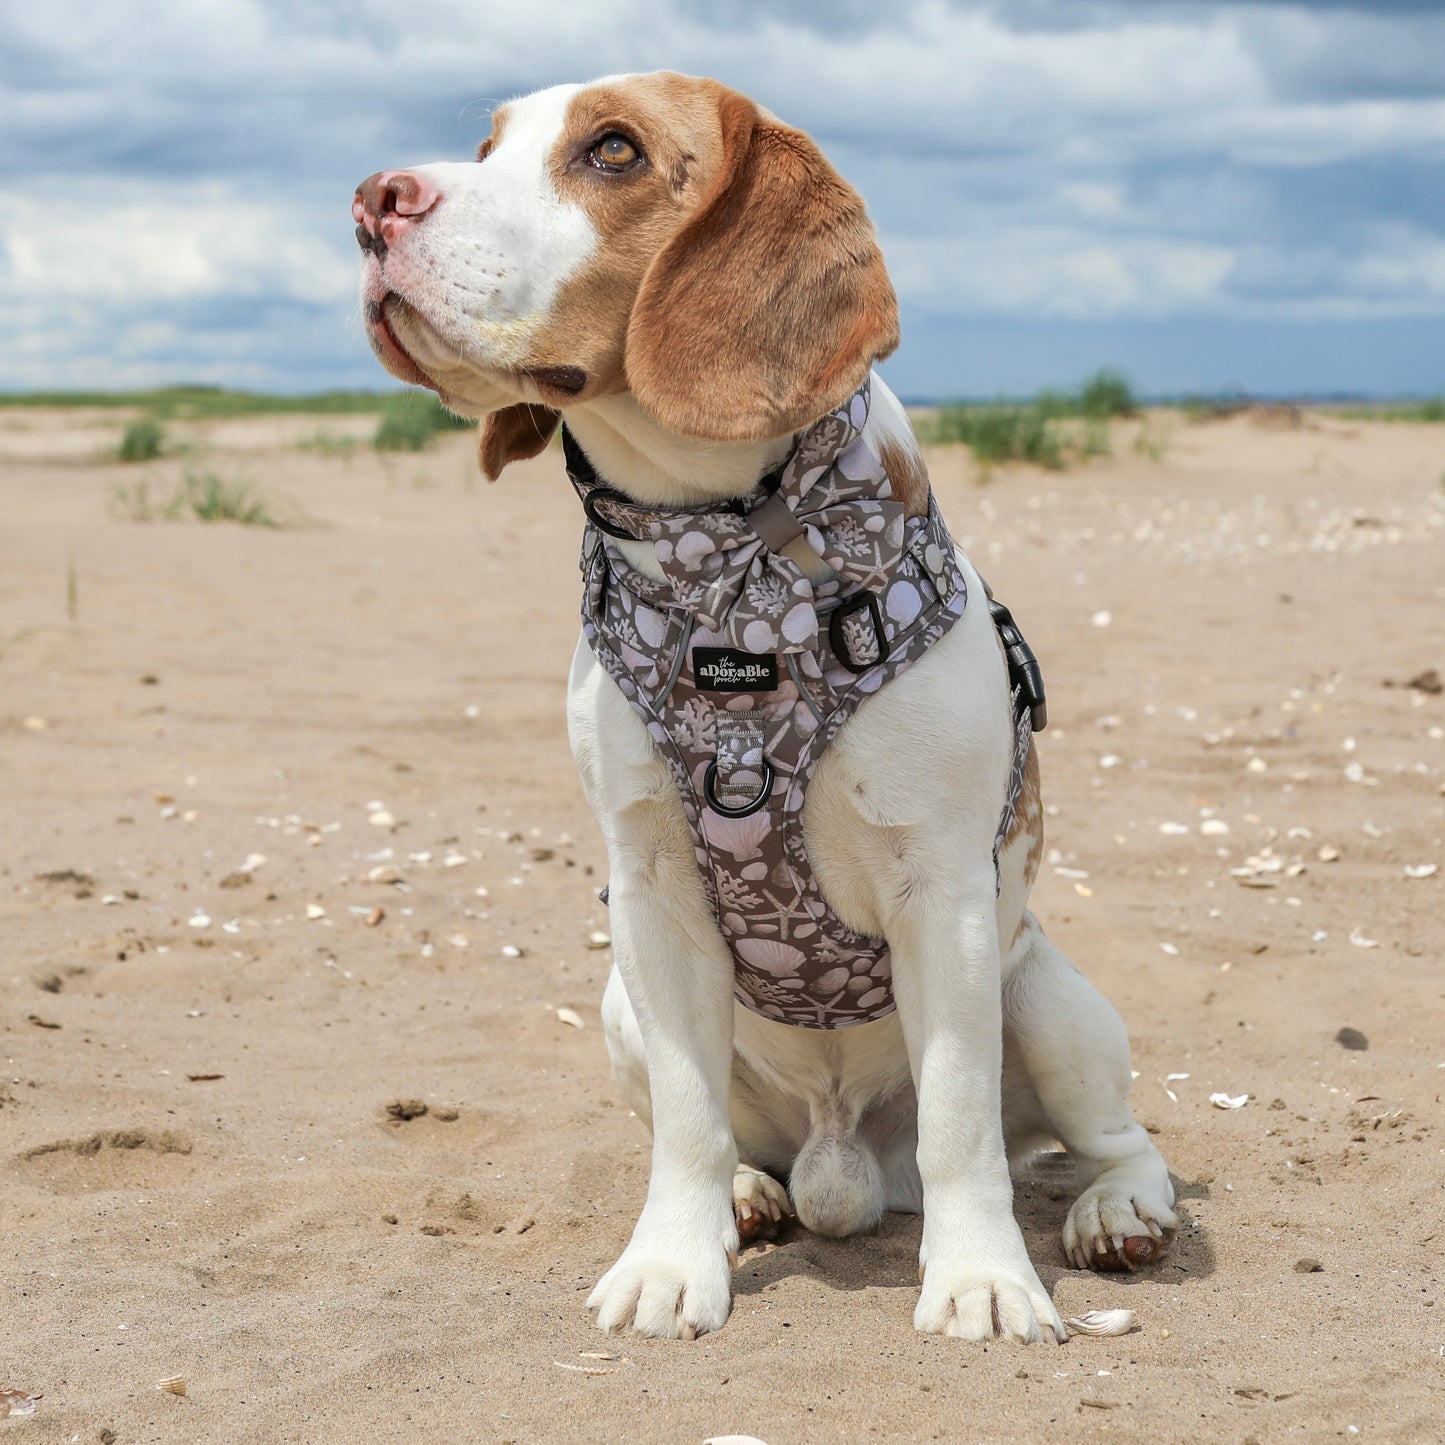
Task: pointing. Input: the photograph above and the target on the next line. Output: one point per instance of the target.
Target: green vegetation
(1152, 441)
(207, 403)
(205, 496)
(329, 443)
(1431, 409)
(1107, 394)
(411, 423)
(996, 434)
(1053, 431)
(144, 440)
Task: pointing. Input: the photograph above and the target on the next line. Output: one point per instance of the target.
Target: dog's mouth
(394, 356)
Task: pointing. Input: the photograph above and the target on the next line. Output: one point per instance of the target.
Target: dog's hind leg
(1075, 1052)
(760, 1202)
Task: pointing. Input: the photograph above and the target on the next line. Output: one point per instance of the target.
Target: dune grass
(203, 496)
(1431, 409)
(143, 441)
(412, 422)
(208, 403)
(1054, 430)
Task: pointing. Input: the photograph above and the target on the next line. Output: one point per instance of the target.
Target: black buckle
(709, 781)
(607, 494)
(1023, 667)
(850, 607)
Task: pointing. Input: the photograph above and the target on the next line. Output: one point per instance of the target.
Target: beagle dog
(690, 284)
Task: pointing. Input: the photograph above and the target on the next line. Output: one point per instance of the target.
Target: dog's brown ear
(514, 434)
(769, 306)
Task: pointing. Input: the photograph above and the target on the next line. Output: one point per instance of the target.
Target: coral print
(752, 753)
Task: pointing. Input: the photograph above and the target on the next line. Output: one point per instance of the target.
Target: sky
(1211, 197)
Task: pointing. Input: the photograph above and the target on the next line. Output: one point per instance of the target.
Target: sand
(212, 1018)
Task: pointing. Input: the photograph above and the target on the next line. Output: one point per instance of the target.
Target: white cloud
(1041, 160)
(1057, 273)
(187, 243)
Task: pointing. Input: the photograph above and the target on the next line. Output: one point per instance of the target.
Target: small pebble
(1349, 1038)
(315, 910)
(1307, 1266)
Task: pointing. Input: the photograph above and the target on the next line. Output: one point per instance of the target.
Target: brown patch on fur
(499, 121)
(908, 474)
(673, 121)
(737, 288)
(769, 306)
(1028, 822)
(513, 434)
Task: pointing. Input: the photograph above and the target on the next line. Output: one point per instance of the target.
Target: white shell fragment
(1360, 941)
(1421, 870)
(315, 910)
(199, 920)
(1226, 1101)
(570, 1017)
(17, 1402)
(380, 818)
(1103, 1322)
(598, 939)
(510, 950)
(172, 1384)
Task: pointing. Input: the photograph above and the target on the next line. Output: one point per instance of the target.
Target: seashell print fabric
(796, 961)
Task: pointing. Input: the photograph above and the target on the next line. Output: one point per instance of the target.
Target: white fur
(485, 269)
(995, 1030)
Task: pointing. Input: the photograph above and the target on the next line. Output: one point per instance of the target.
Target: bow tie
(729, 569)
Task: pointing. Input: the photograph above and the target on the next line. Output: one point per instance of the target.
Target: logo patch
(725, 669)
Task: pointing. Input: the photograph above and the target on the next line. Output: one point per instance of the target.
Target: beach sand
(218, 1030)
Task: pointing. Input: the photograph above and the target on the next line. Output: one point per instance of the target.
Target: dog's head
(657, 234)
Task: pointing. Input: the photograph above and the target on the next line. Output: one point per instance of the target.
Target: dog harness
(743, 671)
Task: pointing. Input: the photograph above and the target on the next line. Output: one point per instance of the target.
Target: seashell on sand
(1103, 1322)
(172, 1384)
(17, 1402)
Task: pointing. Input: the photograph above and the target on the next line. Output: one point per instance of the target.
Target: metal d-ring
(764, 793)
(606, 494)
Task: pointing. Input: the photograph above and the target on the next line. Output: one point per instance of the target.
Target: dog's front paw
(1122, 1221)
(665, 1294)
(971, 1300)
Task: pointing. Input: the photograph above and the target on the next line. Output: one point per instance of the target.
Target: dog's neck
(641, 458)
(660, 468)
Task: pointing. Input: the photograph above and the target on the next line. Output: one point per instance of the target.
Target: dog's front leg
(672, 1281)
(978, 1281)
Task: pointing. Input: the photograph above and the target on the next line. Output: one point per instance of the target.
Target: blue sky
(1210, 196)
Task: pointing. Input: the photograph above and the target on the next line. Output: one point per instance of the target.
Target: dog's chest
(743, 670)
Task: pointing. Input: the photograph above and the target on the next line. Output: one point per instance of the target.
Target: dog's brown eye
(614, 152)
